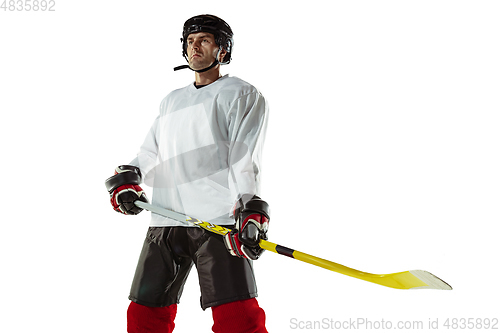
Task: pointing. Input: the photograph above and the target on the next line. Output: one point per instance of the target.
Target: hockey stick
(415, 279)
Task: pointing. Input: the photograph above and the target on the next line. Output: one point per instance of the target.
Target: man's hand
(124, 190)
(252, 223)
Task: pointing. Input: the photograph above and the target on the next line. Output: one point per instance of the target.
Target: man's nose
(195, 45)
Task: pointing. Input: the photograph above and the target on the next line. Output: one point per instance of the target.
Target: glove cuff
(257, 205)
(126, 174)
(251, 203)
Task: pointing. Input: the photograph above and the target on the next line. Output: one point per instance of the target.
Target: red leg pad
(145, 319)
(239, 317)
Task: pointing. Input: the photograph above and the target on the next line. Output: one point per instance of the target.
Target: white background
(382, 154)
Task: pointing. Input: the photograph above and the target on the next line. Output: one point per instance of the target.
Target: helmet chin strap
(215, 63)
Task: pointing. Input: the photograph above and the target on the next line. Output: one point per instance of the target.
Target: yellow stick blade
(432, 281)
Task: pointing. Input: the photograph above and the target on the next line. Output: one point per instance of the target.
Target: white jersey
(204, 150)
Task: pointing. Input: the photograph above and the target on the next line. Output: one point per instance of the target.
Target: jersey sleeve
(146, 158)
(247, 127)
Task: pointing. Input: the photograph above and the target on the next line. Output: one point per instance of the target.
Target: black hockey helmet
(209, 23)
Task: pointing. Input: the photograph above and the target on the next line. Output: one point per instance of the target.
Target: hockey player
(202, 158)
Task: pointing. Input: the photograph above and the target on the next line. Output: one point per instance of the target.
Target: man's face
(201, 50)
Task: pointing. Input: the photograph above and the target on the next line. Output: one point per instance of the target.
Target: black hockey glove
(124, 189)
(252, 222)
